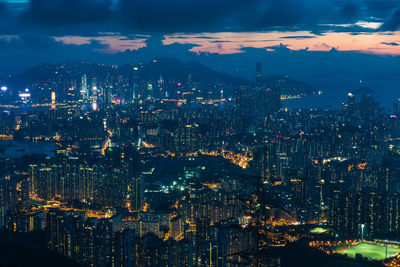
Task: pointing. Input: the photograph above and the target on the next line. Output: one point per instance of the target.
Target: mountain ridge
(171, 69)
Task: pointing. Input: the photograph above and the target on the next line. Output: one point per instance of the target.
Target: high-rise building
(160, 88)
(136, 193)
(91, 134)
(203, 236)
(244, 107)
(267, 101)
(53, 97)
(351, 103)
(134, 84)
(107, 96)
(8, 193)
(84, 88)
(176, 227)
(377, 211)
(150, 93)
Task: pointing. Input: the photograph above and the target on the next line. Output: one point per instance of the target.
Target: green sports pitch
(371, 251)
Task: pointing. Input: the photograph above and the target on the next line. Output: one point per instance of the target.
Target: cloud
(350, 10)
(56, 13)
(278, 48)
(175, 15)
(3, 8)
(169, 16)
(391, 43)
(234, 15)
(60, 17)
(40, 45)
(393, 23)
(299, 37)
(40, 20)
(379, 9)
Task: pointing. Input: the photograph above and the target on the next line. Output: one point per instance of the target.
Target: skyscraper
(107, 96)
(150, 94)
(352, 102)
(84, 88)
(135, 84)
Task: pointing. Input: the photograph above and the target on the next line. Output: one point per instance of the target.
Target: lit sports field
(371, 251)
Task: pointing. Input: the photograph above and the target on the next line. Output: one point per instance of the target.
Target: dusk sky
(292, 37)
(369, 26)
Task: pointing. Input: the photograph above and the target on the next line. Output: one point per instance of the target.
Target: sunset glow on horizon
(383, 43)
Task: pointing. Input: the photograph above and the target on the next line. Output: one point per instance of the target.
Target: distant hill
(365, 90)
(170, 69)
(173, 69)
(289, 86)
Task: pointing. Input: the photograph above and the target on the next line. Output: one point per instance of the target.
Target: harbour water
(17, 148)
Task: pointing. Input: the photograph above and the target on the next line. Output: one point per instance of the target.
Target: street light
(362, 231)
(386, 247)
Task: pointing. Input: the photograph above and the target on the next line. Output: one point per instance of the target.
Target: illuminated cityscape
(142, 178)
(199, 133)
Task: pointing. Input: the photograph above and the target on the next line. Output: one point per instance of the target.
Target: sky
(214, 26)
(329, 42)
